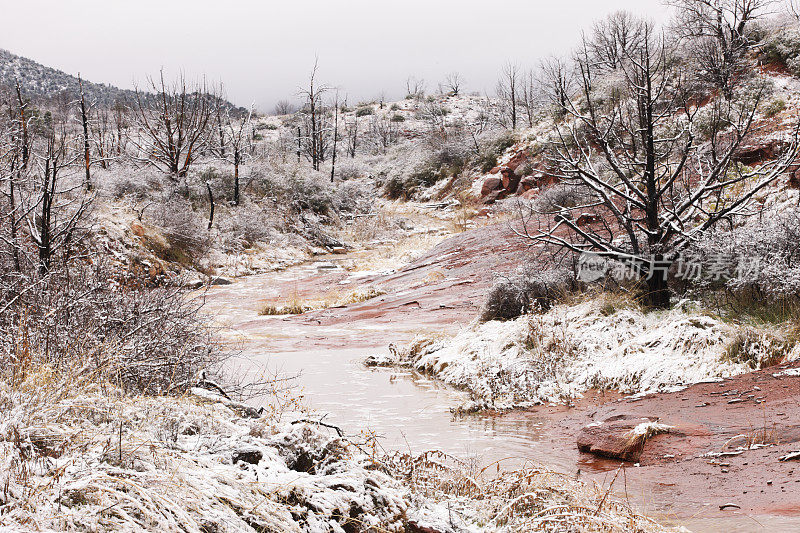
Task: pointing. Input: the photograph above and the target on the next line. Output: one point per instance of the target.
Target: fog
(264, 51)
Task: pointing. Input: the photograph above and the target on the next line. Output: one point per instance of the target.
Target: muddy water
(408, 411)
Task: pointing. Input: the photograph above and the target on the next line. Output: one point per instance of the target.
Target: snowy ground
(591, 345)
(77, 456)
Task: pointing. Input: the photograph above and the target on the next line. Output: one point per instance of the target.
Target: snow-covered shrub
(121, 181)
(758, 261)
(246, 225)
(783, 47)
(527, 289)
(556, 197)
(108, 324)
(186, 236)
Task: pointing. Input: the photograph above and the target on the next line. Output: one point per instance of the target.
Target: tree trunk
(211, 200)
(658, 293)
(85, 122)
(236, 158)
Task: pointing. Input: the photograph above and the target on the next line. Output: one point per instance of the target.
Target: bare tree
(173, 126)
(383, 132)
(717, 33)
(650, 187)
(87, 155)
(239, 134)
(557, 82)
(530, 96)
(507, 93)
(453, 83)
(335, 134)
(351, 136)
(613, 37)
(415, 87)
(284, 107)
(53, 208)
(313, 113)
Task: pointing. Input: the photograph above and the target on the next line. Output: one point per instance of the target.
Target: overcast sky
(263, 50)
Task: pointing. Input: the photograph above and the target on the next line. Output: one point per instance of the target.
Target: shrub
(364, 111)
(774, 107)
(527, 289)
(783, 47)
(758, 263)
(556, 197)
(395, 107)
(493, 150)
(245, 226)
(186, 236)
(398, 118)
(110, 325)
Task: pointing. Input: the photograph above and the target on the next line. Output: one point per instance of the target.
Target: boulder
(509, 180)
(249, 455)
(220, 281)
(494, 196)
(490, 185)
(614, 438)
(518, 160)
(193, 283)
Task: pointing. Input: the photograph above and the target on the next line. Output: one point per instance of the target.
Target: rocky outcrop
(758, 152)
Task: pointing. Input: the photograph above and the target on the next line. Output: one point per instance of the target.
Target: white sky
(264, 50)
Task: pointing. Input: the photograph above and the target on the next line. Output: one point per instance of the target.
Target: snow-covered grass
(78, 455)
(597, 343)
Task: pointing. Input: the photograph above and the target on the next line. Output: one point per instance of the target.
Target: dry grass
(532, 498)
(335, 298)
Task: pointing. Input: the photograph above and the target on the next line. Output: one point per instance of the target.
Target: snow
(558, 355)
(168, 464)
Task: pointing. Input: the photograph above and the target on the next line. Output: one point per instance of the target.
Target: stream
(409, 412)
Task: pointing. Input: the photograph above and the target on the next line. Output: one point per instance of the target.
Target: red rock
(794, 180)
(510, 180)
(611, 439)
(495, 170)
(530, 194)
(490, 185)
(493, 196)
(527, 183)
(756, 153)
(517, 160)
(587, 218)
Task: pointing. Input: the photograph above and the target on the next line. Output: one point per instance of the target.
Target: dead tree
(613, 37)
(351, 136)
(650, 186)
(335, 134)
(23, 121)
(284, 107)
(53, 209)
(313, 113)
(716, 32)
(453, 83)
(239, 134)
(507, 93)
(173, 125)
(557, 82)
(415, 88)
(87, 155)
